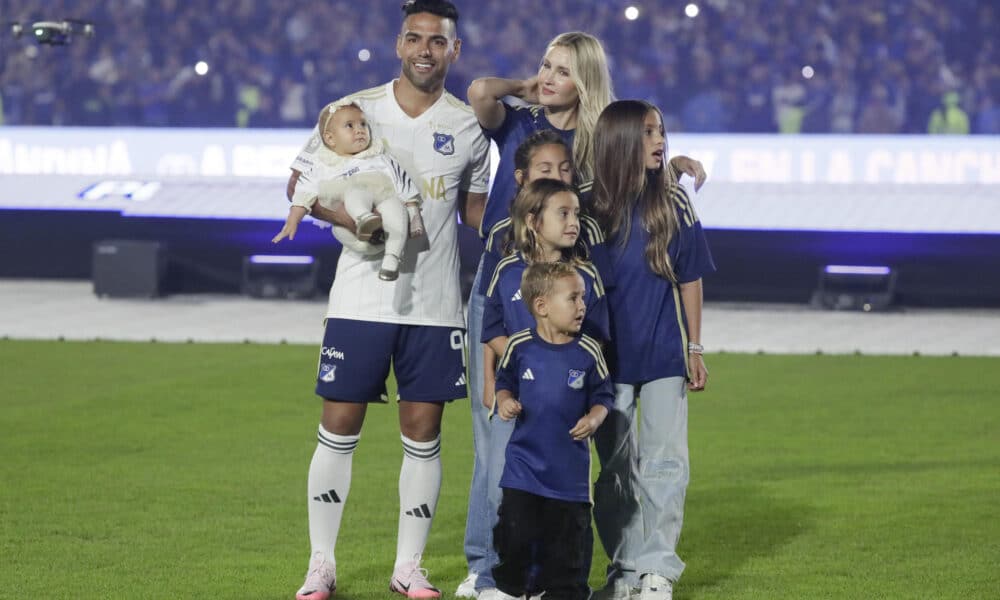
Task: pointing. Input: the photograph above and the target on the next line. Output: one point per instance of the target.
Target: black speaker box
(129, 268)
(279, 276)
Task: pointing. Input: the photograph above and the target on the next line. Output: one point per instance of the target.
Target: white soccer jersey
(444, 151)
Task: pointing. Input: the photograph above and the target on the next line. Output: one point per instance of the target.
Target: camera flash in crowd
(692, 10)
(201, 67)
(631, 13)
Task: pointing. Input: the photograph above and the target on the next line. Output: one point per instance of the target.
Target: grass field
(178, 471)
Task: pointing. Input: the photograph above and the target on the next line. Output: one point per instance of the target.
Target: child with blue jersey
(545, 227)
(553, 380)
(659, 255)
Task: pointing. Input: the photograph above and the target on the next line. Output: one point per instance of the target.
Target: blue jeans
(639, 496)
(482, 509)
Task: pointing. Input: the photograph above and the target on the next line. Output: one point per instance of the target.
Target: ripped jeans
(639, 495)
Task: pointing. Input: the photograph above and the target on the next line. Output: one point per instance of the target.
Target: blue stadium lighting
(280, 259)
(856, 270)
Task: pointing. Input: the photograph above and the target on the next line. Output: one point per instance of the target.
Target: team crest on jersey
(327, 373)
(444, 143)
(575, 379)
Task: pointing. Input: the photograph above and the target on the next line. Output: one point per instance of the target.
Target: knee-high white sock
(419, 486)
(329, 483)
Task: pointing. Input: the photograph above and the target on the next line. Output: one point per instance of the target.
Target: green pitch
(178, 471)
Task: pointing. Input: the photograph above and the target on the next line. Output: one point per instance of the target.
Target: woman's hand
(529, 90)
(690, 166)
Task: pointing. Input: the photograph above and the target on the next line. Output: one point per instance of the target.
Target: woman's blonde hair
(590, 74)
(531, 202)
(622, 181)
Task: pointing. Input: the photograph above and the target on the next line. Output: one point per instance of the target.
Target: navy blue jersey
(506, 313)
(519, 123)
(556, 385)
(499, 243)
(648, 326)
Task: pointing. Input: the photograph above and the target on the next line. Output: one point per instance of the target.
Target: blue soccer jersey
(519, 123)
(506, 313)
(648, 326)
(556, 385)
(499, 243)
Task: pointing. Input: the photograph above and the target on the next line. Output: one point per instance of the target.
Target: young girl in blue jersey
(544, 155)
(545, 227)
(555, 383)
(659, 255)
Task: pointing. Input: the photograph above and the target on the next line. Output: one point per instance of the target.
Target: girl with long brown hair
(658, 256)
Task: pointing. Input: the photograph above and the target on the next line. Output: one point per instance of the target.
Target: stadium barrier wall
(776, 208)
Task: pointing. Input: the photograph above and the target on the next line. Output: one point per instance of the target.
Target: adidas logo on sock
(461, 380)
(528, 375)
(328, 497)
(421, 511)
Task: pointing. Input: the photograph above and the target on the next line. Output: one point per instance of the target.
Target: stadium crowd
(830, 66)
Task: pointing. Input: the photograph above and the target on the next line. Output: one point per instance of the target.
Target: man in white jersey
(416, 322)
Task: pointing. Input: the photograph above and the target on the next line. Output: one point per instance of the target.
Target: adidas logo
(528, 375)
(460, 380)
(329, 497)
(516, 296)
(421, 511)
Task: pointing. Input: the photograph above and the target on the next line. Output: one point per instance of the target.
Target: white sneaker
(614, 590)
(467, 589)
(655, 587)
(321, 580)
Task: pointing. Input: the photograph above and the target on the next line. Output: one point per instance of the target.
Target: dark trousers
(552, 533)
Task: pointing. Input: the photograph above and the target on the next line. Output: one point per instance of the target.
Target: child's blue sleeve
(596, 321)
(694, 259)
(490, 260)
(601, 258)
(599, 388)
(506, 375)
(493, 317)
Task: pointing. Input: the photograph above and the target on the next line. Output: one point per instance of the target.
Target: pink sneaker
(411, 581)
(321, 580)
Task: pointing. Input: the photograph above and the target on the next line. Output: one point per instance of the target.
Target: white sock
(329, 483)
(419, 486)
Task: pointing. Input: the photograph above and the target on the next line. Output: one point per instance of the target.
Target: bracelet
(695, 348)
